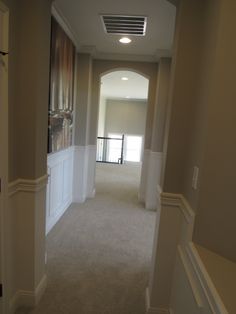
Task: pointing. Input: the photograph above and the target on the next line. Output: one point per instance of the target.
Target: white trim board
(178, 200)
(27, 199)
(201, 295)
(28, 298)
(153, 310)
(144, 173)
(24, 185)
(214, 300)
(60, 185)
(84, 173)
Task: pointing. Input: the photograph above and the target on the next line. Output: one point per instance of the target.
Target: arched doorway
(122, 121)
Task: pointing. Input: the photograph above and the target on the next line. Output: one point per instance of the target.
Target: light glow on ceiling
(125, 40)
(124, 78)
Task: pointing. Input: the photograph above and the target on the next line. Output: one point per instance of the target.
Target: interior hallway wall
(104, 66)
(125, 117)
(215, 222)
(202, 122)
(102, 116)
(29, 49)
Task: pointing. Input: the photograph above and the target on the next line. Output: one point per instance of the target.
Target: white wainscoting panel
(84, 173)
(153, 181)
(177, 272)
(92, 149)
(144, 174)
(59, 188)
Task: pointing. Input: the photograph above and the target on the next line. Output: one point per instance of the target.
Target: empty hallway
(99, 252)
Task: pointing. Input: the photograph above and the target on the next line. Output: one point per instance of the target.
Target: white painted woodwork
(144, 174)
(84, 173)
(179, 282)
(59, 188)
(26, 200)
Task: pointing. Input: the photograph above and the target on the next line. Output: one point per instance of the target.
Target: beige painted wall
(28, 88)
(32, 87)
(29, 48)
(203, 119)
(160, 112)
(184, 84)
(83, 94)
(12, 5)
(101, 67)
(216, 220)
(102, 116)
(125, 117)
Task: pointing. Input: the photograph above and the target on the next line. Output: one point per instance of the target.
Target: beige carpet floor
(99, 253)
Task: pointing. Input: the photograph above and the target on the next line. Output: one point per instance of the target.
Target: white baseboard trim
(153, 310)
(28, 298)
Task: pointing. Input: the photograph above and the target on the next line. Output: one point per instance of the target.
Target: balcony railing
(110, 149)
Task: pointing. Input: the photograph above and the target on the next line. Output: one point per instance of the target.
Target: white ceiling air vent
(124, 24)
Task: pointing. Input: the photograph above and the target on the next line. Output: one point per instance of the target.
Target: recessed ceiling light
(124, 78)
(125, 40)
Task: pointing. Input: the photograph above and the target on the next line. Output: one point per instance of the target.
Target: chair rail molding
(24, 185)
(179, 281)
(26, 212)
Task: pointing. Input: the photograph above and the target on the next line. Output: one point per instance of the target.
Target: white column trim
(144, 174)
(178, 200)
(214, 300)
(84, 173)
(154, 172)
(202, 288)
(25, 185)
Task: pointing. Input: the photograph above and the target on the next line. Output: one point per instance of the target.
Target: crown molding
(62, 20)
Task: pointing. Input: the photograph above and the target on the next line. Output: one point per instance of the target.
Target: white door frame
(4, 154)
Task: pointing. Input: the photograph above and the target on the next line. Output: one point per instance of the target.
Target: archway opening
(122, 121)
(122, 117)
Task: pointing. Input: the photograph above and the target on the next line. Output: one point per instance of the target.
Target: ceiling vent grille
(124, 24)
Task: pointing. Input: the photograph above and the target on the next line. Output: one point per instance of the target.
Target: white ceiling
(136, 87)
(83, 19)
